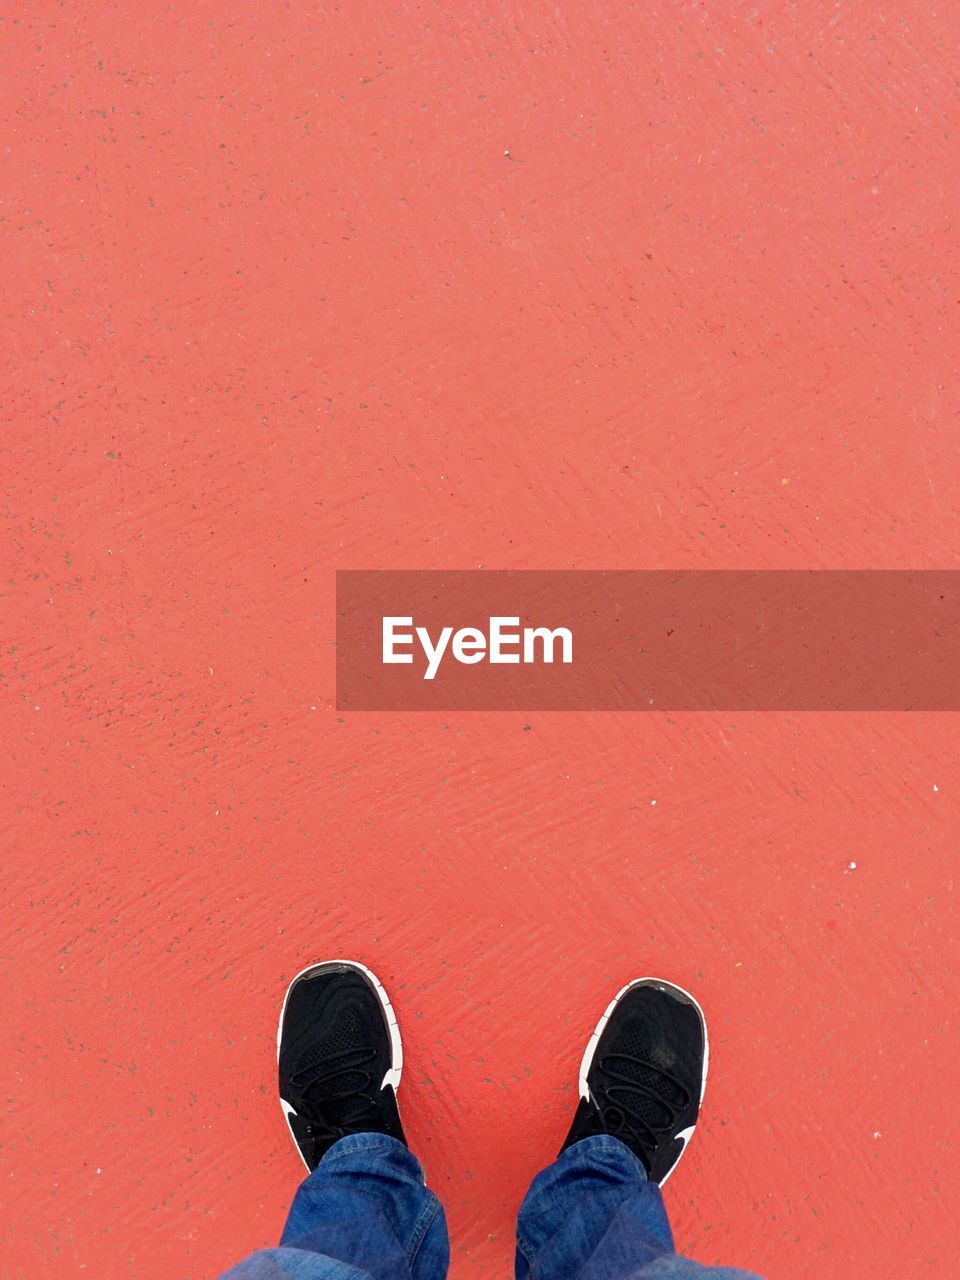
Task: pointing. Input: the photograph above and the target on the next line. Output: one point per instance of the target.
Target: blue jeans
(365, 1214)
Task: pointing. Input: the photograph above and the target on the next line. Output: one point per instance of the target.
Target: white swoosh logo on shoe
(684, 1136)
(288, 1111)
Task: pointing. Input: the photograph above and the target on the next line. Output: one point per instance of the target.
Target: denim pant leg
(363, 1214)
(592, 1215)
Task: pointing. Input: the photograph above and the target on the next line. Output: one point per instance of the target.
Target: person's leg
(594, 1215)
(597, 1212)
(364, 1212)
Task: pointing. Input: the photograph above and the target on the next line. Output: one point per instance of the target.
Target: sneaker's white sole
(587, 1060)
(395, 1070)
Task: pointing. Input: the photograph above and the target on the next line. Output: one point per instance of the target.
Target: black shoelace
(327, 1121)
(620, 1109)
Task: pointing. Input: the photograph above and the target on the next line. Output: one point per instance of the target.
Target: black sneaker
(643, 1074)
(339, 1058)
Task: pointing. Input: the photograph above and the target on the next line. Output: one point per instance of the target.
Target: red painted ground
(277, 301)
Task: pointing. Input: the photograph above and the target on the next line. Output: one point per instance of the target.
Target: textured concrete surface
(287, 289)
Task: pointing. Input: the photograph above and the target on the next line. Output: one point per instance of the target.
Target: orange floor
(290, 288)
